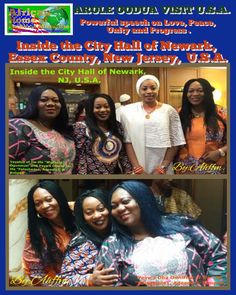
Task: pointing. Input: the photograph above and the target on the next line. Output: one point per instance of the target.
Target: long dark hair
(82, 225)
(91, 120)
(40, 229)
(211, 116)
(157, 223)
(60, 123)
(80, 108)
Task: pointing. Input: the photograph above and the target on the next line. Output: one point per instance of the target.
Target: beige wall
(117, 84)
(17, 227)
(175, 78)
(210, 195)
(218, 79)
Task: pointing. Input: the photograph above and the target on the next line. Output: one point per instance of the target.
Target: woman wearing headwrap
(152, 130)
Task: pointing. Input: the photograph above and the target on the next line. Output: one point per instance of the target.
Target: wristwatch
(222, 153)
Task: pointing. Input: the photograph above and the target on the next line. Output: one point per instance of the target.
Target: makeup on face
(195, 94)
(125, 209)
(49, 105)
(149, 91)
(46, 205)
(96, 214)
(101, 109)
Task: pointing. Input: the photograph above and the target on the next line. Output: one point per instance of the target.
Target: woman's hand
(102, 276)
(159, 171)
(162, 169)
(212, 156)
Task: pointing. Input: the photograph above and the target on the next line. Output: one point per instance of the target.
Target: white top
(162, 130)
(118, 111)
(156, 270)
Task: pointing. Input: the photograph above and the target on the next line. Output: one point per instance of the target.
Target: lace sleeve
(176, 131)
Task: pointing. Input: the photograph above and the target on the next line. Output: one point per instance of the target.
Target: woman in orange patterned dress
(204, 126)
(50, 228)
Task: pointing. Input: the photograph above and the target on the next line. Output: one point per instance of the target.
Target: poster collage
(117, 147)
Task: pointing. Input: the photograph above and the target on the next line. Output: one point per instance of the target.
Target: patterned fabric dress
(32, 151)
(174, 260)
(178, 202)
(79, 262)
(199, 141)
(98, 157)
(42, 273)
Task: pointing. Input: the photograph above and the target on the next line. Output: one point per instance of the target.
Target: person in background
(12, 106)
(99, 139)
(124, 99)
(153, 130)
(80, 113)
(93, 223)
(171, 199)
(149, 249)
(50, 228)
(117, 106)
(204, 126)
(40, 136)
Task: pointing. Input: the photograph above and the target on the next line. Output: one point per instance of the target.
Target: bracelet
(161, 169)
(138, 170)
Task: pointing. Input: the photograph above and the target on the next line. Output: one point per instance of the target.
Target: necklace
(148, 112)
(197, 115)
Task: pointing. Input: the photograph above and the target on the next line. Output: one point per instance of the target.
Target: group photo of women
(112, 233)
(118, 183)
(146, 136)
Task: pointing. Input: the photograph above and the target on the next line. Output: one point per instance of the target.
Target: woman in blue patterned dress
(154, 250)
(92, 219)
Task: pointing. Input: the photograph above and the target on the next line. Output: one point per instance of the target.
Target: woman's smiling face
(101, 109)
(46, 205)
(148, 91)
(195, 94)
(96, 215)
(125, 209)
(49, 105)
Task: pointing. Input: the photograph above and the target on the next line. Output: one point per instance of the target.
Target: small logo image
(39, 19)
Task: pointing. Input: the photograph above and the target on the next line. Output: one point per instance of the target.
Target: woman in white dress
(153, 130)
